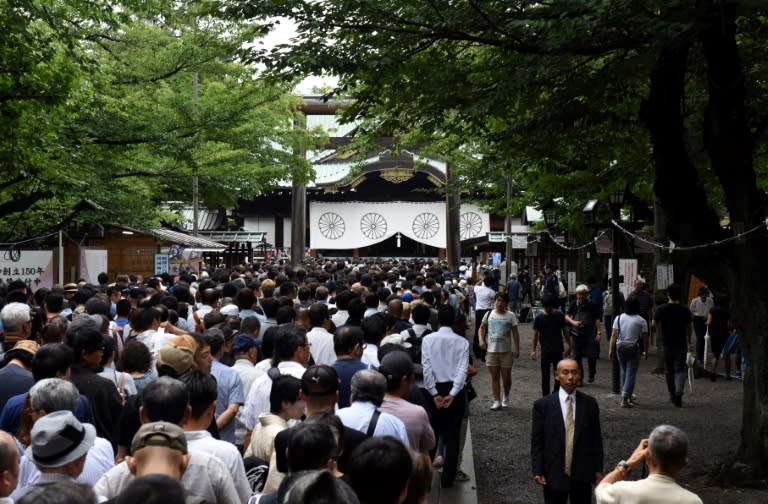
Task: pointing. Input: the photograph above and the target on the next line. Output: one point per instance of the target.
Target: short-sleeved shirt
(550, 328)
(498, 334)
(230, 391)
(674, 319)
(630, 327)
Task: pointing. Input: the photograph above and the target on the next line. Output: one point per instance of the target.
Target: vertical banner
(665, 275)
(161, 264)
(628, 268)
(571, 276)
(33, 267)
(92, 262)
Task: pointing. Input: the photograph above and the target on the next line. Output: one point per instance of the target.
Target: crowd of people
(272, 383)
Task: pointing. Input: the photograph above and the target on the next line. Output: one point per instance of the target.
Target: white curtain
(359, 224)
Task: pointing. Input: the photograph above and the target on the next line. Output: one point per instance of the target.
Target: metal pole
(61, 258)
(195, 189)
(508, 231)
(615, 371)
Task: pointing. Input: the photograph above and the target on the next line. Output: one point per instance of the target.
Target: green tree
(120, 125)
(573, 100)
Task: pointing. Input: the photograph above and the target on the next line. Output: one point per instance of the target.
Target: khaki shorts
(499, 359)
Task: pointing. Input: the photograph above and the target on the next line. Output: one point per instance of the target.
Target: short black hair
(420, 313)
(318, 313)
(165, 399)
(135, 358)
(83, 340)
(381, 470)
(52, 359)
(284, 388)
(345, 338)
(289, 338)
(310, 445)
(153, 489)
(202, 390)
(446, 315)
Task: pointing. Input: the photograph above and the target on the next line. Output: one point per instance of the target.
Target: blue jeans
(628, 367)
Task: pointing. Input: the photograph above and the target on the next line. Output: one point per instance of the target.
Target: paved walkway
(461, 493)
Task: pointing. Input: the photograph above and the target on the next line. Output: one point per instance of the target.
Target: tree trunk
(735, 268)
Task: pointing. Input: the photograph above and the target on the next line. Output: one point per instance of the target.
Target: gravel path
(711, 416)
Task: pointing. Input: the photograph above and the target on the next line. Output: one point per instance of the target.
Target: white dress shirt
(321, 346)
(206, 476)
(563, 395)
(445, 358)
(202, 441)
(257, 401)
(358, 416)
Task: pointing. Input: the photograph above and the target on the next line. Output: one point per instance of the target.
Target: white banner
(359, 224)
(34, 267)
(92, 262)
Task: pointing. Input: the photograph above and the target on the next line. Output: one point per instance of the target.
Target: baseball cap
(159, 434)
(242, 343)
(59, 438)
(396, 363)
(178, 354)
(229, 310)
(319, 381)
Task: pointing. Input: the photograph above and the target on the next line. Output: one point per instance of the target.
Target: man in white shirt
(166, 401)
(445, 360)
(52, 395)
(292, 353)
(202, 402)
(320, 340)
(368, 388)
(700, 306)
(342, 302)
(665, 454)
(58, 446)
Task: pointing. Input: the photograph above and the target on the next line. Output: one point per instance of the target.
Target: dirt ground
(711, 416)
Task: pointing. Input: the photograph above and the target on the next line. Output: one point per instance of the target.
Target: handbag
(625, 349)
(471, 392)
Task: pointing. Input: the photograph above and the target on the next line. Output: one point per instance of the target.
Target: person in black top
(586, 330)
(87, 346)
(550, 329)
(675, 322)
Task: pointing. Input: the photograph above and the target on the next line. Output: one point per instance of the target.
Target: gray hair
(54, 394)
(14, 315)
(582, 288)
(368, 385)
(668, 447)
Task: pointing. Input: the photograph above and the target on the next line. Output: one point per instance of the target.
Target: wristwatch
(623, 465)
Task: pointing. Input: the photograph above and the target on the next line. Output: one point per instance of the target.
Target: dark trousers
(700, 328)
(674, 371)
(479, 353)
(580, 493)
(580, 348)
(549, 362)
(447, 423)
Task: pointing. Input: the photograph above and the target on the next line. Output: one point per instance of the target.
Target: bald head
(9, 464)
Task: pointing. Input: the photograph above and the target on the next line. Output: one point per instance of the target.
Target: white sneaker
(504, 401)
(496, 405)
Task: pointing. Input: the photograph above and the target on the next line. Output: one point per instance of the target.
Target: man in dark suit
(566, 441)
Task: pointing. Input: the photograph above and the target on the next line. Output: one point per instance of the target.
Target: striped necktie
(568, 434)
